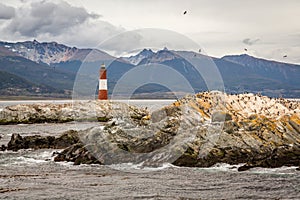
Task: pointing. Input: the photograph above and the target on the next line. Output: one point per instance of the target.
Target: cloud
(87, 34)
(250, 42)
(153, 38)
(48, 17)
(56, 21)
(6, 12)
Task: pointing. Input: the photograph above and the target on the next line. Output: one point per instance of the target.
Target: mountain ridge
(51, 52)
(240, 73)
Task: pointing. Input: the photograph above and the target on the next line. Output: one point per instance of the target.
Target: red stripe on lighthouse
(102, 94)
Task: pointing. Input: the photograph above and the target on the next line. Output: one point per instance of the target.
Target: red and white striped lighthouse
(102, 94)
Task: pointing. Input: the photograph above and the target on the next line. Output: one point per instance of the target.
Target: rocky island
(196, 131)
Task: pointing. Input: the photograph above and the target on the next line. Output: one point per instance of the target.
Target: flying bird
(285, 56)
(184, 12)
(246, 49)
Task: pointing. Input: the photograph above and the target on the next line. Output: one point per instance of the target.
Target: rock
(67, 139)
(78, 154)
(220, 116)
(38, 142)
(214, 128)
(101, 111)
(244, 168)
(16, 142)
(280, 156)
(3, 147)
(233, 136)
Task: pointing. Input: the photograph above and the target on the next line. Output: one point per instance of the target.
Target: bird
(184, 12)
(285, 56)
(246, 49)
(199, 50)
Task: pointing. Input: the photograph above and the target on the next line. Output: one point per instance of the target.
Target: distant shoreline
(24, 98)
(34, 98)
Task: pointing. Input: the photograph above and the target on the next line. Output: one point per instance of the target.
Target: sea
(32, 174)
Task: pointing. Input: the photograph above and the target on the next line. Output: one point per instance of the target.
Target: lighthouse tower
(102, 94)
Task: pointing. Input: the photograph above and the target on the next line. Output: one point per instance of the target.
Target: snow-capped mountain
(160, 56)
(52, 52)
(135, 60)
(240, 73)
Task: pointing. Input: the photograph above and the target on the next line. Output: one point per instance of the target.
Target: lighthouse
(102, 94)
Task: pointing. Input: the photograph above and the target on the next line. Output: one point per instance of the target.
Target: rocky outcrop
(101, 111)
(67, 139)
(196, 131)
(216, 128)
(78, 154)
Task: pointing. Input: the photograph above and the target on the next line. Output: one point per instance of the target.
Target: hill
(57, 66)
(12, 85)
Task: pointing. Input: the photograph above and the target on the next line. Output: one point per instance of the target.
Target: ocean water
(32, 174)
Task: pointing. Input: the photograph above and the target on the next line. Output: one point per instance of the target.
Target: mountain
(12, 85)
(52, 52)
(56, 64)
(23, 77)
(37, 73)
(287, 73)
(51, 64)
(145, 53)
(240, 73)
(58, 67)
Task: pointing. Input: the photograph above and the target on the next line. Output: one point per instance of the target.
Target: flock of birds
(184, 13)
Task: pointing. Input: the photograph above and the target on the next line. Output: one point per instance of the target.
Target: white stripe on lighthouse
(102, 84)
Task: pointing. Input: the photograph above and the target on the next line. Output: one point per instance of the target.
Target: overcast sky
(267, 28)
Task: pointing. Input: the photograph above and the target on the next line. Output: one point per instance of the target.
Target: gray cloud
(6, 12)
(156, 39)
(47, 17)
(57, 21)
(250, 42)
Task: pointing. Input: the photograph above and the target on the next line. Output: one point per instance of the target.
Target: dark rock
(78, 154)
(38, 142)
(280, 156)
(16, 142)
(244, 168)
(66, 139)
(3, 147)
(34, 142)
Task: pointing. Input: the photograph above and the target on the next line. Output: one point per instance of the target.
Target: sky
(266, 28)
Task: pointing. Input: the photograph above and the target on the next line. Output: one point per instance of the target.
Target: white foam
(222, 167)
(139, 167)
(279, 171)
(29, 158)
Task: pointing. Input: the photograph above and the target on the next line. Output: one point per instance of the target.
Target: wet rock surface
(78, 154)
(18, 142)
